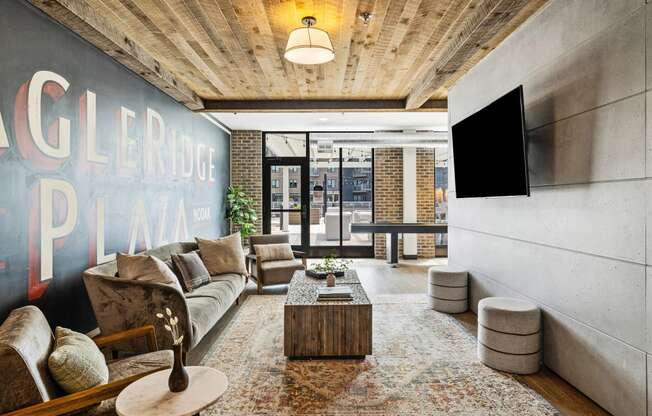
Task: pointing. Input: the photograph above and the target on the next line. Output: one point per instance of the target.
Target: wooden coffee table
(333, 329)
(150, 396)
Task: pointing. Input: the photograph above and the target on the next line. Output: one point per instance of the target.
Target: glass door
(285, 177)
(284, 201)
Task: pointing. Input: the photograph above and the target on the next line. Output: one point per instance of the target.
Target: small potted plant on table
(330, 268)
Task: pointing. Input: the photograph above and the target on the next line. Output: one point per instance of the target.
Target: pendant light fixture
(309, 45)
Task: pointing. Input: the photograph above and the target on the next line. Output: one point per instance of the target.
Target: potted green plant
(330, 268)
(241, 211)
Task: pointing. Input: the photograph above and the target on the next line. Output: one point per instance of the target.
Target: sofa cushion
(191, 269)
(280, 271)
(229, 286)
(207, 304)
(76, 363)
(236, 282)
(224, 255)
(138, 364)
(270, 252)
(146, 268)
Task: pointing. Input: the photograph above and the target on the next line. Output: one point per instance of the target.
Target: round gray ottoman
(509, 335)
(448, 289)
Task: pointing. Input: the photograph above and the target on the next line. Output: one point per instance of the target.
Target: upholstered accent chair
(273, 272)
(120, 304)
(26, 342)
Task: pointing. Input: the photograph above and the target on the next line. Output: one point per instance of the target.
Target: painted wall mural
(93, 160)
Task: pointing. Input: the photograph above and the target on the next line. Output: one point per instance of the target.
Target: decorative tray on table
(322, 275)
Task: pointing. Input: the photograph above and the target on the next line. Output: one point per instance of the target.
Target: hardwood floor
(410, 276)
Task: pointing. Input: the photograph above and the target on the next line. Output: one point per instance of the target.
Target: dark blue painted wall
(134, 198)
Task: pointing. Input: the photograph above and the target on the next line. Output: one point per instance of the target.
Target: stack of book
(334, 293)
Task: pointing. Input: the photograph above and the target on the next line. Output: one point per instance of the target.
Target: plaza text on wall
(93, 160)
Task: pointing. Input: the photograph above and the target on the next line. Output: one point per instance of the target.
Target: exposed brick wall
(388, 192)
(247, 167)
(426, 199)
(388, 195)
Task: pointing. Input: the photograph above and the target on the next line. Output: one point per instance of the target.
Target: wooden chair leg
(259, 289)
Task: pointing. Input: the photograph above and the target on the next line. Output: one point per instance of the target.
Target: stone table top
(150, 396)
(303, 290)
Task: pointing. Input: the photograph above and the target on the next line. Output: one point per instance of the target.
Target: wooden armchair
(29, 388)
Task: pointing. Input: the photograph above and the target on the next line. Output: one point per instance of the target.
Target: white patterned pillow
(76, 363)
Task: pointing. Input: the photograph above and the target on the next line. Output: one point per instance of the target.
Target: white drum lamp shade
(309, 45)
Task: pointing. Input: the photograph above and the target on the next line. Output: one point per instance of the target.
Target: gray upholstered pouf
(448, 289)
(509, 335)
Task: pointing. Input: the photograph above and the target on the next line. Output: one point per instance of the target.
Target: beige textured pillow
(270, 252)
(224, 255)
(147, 269)
(76, 363)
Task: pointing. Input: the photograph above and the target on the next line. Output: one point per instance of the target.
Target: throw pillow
(270, 252)
(76, 363)
(147, 269)
(192, 270)
(224, 255)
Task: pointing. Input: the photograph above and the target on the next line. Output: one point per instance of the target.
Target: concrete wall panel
(603, 144)
(559, 28)
(606, 219)
(606, 294)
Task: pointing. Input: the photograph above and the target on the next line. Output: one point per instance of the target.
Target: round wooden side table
(150, 395)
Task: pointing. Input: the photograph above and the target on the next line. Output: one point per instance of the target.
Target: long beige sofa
(121, 304)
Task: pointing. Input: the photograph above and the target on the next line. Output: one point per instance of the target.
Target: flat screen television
(490, 150)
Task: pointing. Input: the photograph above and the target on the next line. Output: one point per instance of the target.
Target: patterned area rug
(423, 363)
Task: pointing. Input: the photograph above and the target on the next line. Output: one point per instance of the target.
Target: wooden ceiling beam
(467, 39)
(96, 29)
(273, 106)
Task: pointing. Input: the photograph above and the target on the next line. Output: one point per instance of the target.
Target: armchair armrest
(121, 305)
(249, 259)
(147, 331)
(300, 254)
(80, 400)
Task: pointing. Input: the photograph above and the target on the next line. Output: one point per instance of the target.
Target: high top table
(394, 229)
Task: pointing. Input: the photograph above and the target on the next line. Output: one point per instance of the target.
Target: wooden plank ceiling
(203, 52)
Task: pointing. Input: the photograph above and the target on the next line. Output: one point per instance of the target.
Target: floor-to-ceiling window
(338, 192)
(441, 193)
(357, 192)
